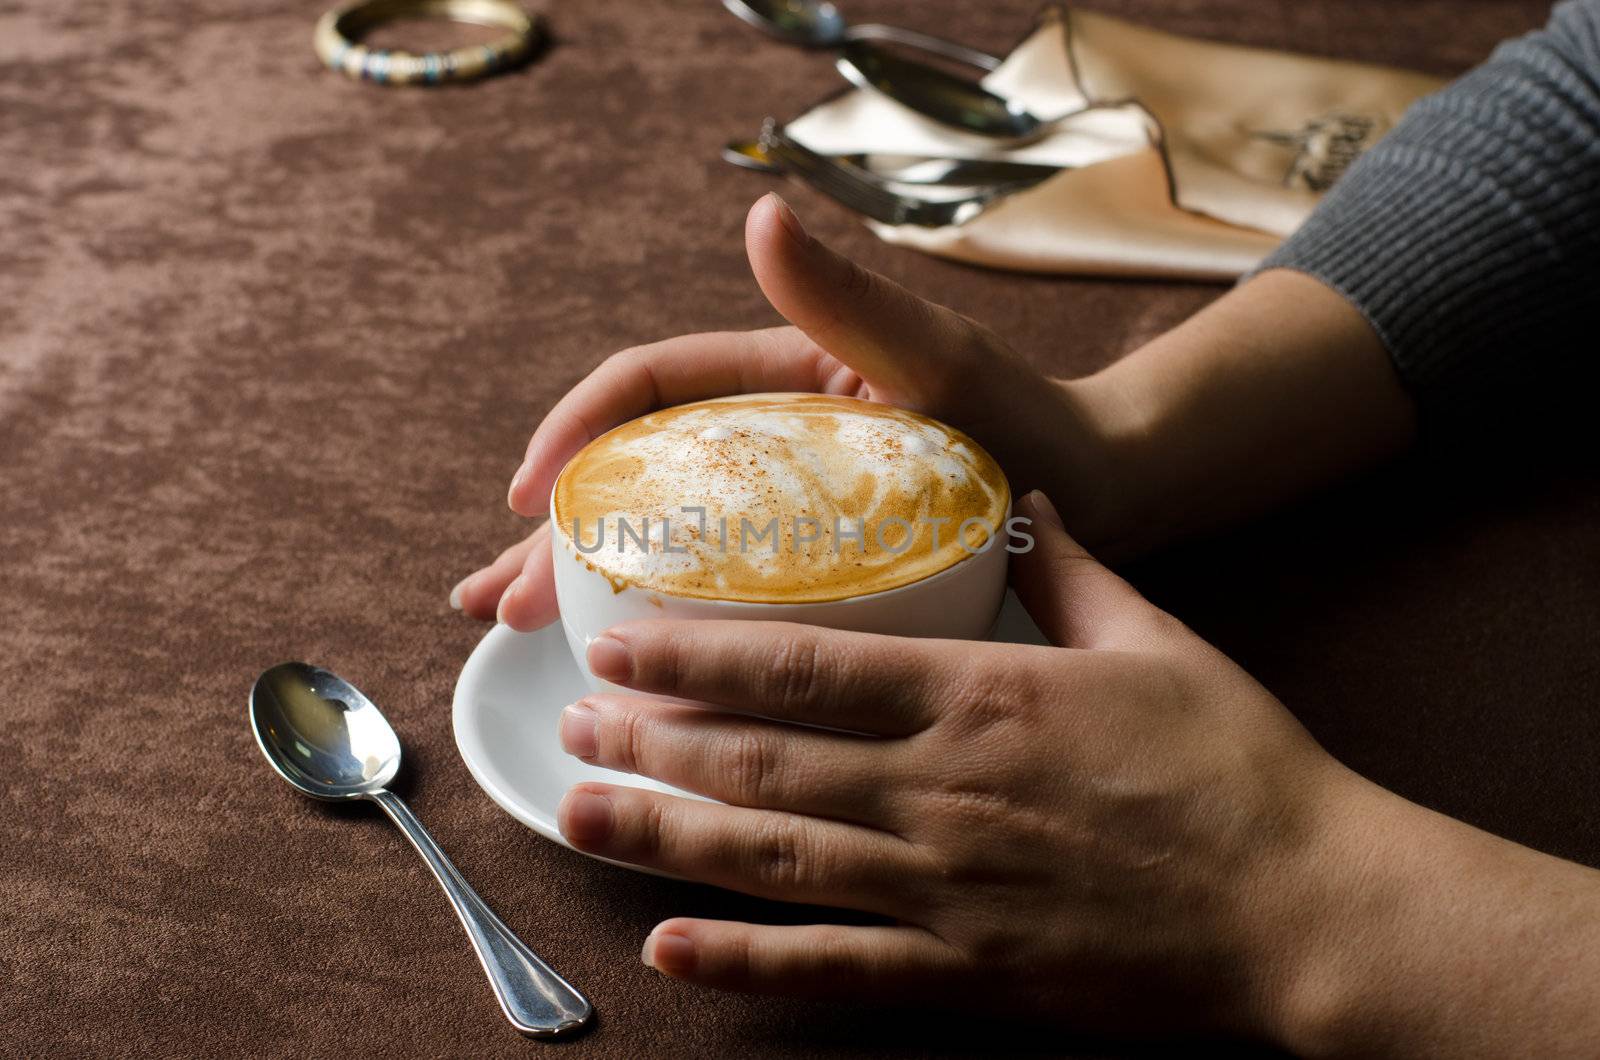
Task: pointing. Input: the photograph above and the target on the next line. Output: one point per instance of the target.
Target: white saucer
(508, 702)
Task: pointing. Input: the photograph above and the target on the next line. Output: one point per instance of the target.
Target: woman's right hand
(853, 333)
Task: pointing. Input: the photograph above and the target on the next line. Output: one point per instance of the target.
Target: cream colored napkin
(1185, 158)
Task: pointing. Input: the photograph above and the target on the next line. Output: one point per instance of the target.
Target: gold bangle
(338, 33)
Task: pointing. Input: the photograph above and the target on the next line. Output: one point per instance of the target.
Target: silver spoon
(330, 742)
(942, 96)
(929, 90)
(818, 24)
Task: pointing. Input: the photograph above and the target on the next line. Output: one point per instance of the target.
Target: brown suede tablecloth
(271, 344)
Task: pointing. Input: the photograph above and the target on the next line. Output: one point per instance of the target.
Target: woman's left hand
(1048, 828)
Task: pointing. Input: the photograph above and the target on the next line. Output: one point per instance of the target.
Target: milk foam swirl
(805, 498)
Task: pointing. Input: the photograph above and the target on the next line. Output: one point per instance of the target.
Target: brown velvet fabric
(271, 343)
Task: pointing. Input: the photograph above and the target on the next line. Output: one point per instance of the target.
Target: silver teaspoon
(818, 24)
(929, 90)
(331, 742)
(939, 95)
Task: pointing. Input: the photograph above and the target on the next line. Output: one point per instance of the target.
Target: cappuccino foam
(806, 498)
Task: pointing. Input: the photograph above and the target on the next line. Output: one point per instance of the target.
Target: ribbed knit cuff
(1470, 236)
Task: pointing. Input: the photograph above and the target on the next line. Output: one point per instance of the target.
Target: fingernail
(455, 594)
(670, 954)
(791, 220)
(1042, 509)
(609, 659)
(578, 731)
(506, 598)
(518, 481)
(587, 818)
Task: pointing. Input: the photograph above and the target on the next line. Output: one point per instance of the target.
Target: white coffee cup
(960, 602)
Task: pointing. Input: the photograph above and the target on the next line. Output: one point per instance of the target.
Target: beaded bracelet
(339, 30)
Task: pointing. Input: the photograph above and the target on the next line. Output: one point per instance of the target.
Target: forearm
(1277, 388)
(1452, 265)
(1418, 935)
(1467, 235)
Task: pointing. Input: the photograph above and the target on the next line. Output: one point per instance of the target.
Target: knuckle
(798, 666)
(862, 285)
(842, 958)
(772, 345)
(658, 661)
(984, 696)
(629, 741)
(992, 942)
(1019, 694)
(973, 801)
(750, 766)
(739, 958)
(633, 365)
(652, 827)
(623, 358)
(784, 860)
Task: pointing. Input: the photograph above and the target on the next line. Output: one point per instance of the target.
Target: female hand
(1051, 828)
(1124, 832)
(855, 333)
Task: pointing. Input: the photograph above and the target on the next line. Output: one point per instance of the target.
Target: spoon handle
(536, 1000)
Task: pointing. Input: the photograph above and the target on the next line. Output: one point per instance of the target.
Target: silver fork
(871, 195)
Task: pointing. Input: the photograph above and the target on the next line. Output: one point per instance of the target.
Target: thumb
(1074, 599)
(898, 343)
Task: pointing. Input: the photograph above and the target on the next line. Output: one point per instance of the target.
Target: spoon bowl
(331, 742)
(942, 96)
(808, 23)
(321, 734)
(929, 90)
(818, 24)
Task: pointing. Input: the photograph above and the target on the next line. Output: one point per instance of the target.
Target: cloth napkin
(1185, 158)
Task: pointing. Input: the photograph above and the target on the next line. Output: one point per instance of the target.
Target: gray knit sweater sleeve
(1470, 235)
